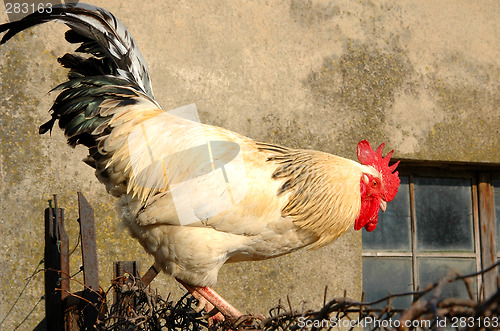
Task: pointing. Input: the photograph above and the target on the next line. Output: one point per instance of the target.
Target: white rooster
(198, 196)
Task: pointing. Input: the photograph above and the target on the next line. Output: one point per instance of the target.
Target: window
(432, 226)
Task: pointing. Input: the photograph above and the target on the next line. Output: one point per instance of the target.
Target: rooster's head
(376, 190)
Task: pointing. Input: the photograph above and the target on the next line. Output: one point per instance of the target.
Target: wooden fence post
(132, 268)
(89, 257)
(56, 259)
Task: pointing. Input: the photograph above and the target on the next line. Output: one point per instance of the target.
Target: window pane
(443, 209)
(496, 188)
(383, 275)
(393, 229)
(432, 270)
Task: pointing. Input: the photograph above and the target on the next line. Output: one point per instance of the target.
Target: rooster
(198, 196)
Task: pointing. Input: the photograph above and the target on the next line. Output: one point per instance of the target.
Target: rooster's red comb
(367, 156)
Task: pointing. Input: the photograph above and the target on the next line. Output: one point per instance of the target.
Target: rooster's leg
(204, 304)
(213, 300)
(219, 302)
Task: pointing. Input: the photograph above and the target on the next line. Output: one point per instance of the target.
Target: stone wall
(421, 76)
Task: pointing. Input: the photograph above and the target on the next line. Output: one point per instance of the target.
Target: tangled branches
(432, 313)
(138, 308)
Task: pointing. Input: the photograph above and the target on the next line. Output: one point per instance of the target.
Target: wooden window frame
(484, 221)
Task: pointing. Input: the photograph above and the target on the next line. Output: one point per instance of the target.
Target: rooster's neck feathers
(323, 190)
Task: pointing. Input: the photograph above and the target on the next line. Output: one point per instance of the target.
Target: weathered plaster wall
(421, 76)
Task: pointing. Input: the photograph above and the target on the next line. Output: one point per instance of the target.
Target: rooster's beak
(383, 205)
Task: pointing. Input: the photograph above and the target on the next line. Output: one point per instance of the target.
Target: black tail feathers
(100, 34)
(113, 71)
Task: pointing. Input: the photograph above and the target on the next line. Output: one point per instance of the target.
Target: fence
(85, 309)
(137, 307)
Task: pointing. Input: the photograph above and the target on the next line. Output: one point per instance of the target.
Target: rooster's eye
(374, 183)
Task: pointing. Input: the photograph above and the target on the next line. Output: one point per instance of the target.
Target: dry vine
(140, 308)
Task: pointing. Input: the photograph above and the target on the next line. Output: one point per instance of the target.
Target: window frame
(483, 217)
